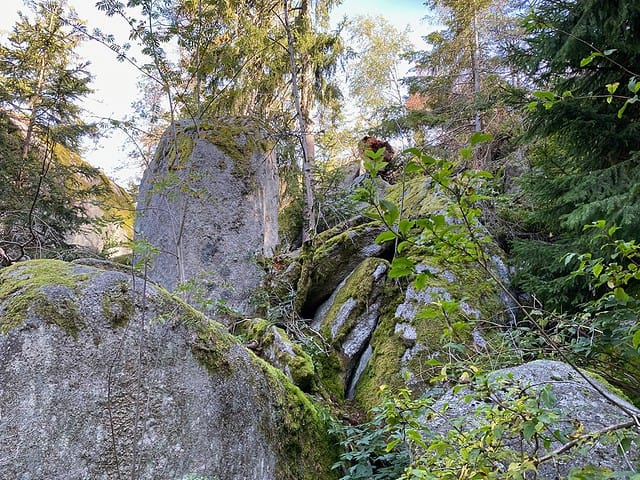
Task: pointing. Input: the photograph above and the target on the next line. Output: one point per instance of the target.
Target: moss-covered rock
(335, 254)
(429, 326)
(421, 325)
(33, 288)
(347, 320)
(106, 375)
(272, 344)
(208, 202)
(435, 322)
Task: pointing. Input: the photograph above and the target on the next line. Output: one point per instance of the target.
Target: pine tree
(458, 82)
(585, 164)
(41, 82)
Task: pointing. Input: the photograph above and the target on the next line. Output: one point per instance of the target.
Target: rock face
(579, 407)
(111, 211)
(209, 203)
(103, 376)
(338, 252)
(348, 319)
(386, 332)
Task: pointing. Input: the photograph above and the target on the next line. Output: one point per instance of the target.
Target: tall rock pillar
(208, 204)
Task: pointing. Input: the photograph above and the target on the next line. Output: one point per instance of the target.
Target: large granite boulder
(208, 202)
(103, 375)
(572, 404)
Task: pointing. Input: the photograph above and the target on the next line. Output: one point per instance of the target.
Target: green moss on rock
(239, 139)
(274, 346)
(304, 447)
(44, 288)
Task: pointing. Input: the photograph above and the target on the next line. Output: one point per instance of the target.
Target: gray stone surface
(339, 251)
(349, 317)
(211, 209)
(143, 388)
(578, 403)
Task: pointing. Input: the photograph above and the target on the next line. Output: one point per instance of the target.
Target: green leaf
(413, 151)
(597, 270)
(636, 339)
(609, 51)
(597, 224)
(547, 397)
(401, 267)
(529, 430)
(413, 435)
(404, 226)
(480, 137)
(420, 282)
(439, 221)
(624, 107)
(412, 167)
(391, 445)
(385, 236)
(402, 246)
(620, 295)
(612, 87)
(544, 95)
(587, 60)
(390, 211)
(569, 257)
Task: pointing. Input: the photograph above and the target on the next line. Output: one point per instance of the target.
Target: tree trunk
(302, 97)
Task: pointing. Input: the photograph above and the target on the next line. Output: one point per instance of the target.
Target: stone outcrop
(579, 408)
(103, 375)
(386, 332)
(208, 203)
(111, 213)
(348, 319)
(337, 253)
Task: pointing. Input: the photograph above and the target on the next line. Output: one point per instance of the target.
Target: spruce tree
(41, 82)
(585, 160)
(458, 82)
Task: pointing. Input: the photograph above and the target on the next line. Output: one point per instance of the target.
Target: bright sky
(115, 82)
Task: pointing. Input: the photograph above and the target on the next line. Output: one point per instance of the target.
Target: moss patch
(336, 253)
(304, 447)
(239, 139)
(358, 288)
(275, 347)
(43, 287)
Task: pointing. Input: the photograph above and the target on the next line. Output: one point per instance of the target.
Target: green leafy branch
(618, 273)
(549, 99)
